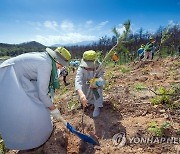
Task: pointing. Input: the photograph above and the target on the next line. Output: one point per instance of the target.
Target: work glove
(55, 113)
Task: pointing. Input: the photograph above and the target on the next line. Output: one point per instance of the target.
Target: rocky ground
(128, 110)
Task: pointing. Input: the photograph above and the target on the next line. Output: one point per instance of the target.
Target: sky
(71, 21)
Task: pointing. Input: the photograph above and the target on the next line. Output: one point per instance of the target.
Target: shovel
(84, 137)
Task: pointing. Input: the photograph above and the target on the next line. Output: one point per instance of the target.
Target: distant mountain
(83, 43)
(4, 45)
(32, 44)
(17, 49)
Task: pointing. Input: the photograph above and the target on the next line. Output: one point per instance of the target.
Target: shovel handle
(62, 120)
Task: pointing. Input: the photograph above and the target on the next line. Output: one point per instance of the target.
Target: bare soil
(126, 110)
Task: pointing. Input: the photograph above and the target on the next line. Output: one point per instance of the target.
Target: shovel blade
(84, 137)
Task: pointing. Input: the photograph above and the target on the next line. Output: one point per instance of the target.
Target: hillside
(128, 109)
(31, 44)
(12, 50)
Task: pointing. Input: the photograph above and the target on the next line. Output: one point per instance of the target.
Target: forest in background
(105, 43)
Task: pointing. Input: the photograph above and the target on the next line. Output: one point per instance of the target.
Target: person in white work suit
(25, 104)
(88, 92)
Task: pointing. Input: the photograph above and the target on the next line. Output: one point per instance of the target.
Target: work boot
(96, 112)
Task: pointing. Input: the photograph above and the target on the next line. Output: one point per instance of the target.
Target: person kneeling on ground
(88, 86)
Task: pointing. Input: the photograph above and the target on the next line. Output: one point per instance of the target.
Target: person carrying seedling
(148, 48)
(25, 104)
(115, 58)
(88, 86)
